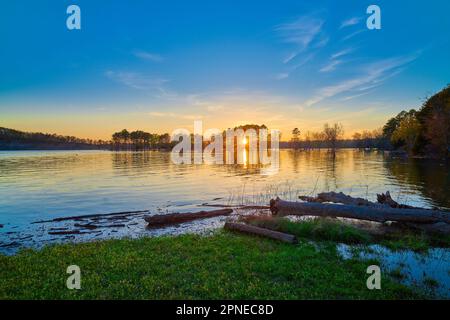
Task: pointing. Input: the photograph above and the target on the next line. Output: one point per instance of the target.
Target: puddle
(416, 268)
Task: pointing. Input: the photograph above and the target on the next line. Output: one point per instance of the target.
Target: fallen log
(245, 207)
(370, 213)
(385, 198)
(253, 207)
(174, 218)
(337, 198)
(244, 228)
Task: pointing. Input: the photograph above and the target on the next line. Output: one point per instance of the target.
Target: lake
(36, 185)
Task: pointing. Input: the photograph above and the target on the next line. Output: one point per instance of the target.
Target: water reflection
(431, 178)
(37, 184)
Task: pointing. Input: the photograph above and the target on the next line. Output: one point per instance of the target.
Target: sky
(159, 65)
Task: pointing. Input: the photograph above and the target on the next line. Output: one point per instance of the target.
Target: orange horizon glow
(103, 125)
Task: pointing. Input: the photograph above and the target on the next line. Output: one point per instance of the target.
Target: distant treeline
(331, 138)
(424, 133)
(140, 140)
(11, 139)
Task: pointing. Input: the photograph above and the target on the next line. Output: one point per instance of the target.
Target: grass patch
(317, 229)
(414, 240)
(321, 229)
(222, 266)
(397, 274)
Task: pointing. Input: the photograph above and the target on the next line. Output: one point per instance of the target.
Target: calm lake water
(37, 185)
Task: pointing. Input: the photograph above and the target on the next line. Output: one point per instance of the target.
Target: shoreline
(347, 244)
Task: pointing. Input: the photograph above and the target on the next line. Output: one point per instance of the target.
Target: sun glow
(244, 141)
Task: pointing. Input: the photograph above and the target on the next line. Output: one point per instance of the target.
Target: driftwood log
(384, 200)
(378, 213)
(245, 228)
(337, 198)
(174, 218)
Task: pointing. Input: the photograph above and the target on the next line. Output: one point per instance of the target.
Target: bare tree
(332, 134)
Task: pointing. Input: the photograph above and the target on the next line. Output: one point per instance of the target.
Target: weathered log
(245, 207)
(385, 198)
(245, 228)
(174, 218)
(253, 207)
(370, 213)
(337, 198)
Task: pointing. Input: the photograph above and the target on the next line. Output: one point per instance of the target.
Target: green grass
(317, 229)
(416, 241)
(222, 266)
(397, 274)
(337, 231)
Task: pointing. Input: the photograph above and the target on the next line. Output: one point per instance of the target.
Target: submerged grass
(222, 266)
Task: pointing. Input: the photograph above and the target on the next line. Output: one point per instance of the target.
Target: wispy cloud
(342, 53)
(144, 55)
(282, 76)
(334, 61)
(322, 42)
(351, 97)
(353, 34)
(300, 63)
(331, 66)
(372, 75)
(136, 80)
(301, 33)
(350, 22)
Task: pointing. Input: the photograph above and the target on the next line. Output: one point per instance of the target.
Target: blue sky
(158, 65)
